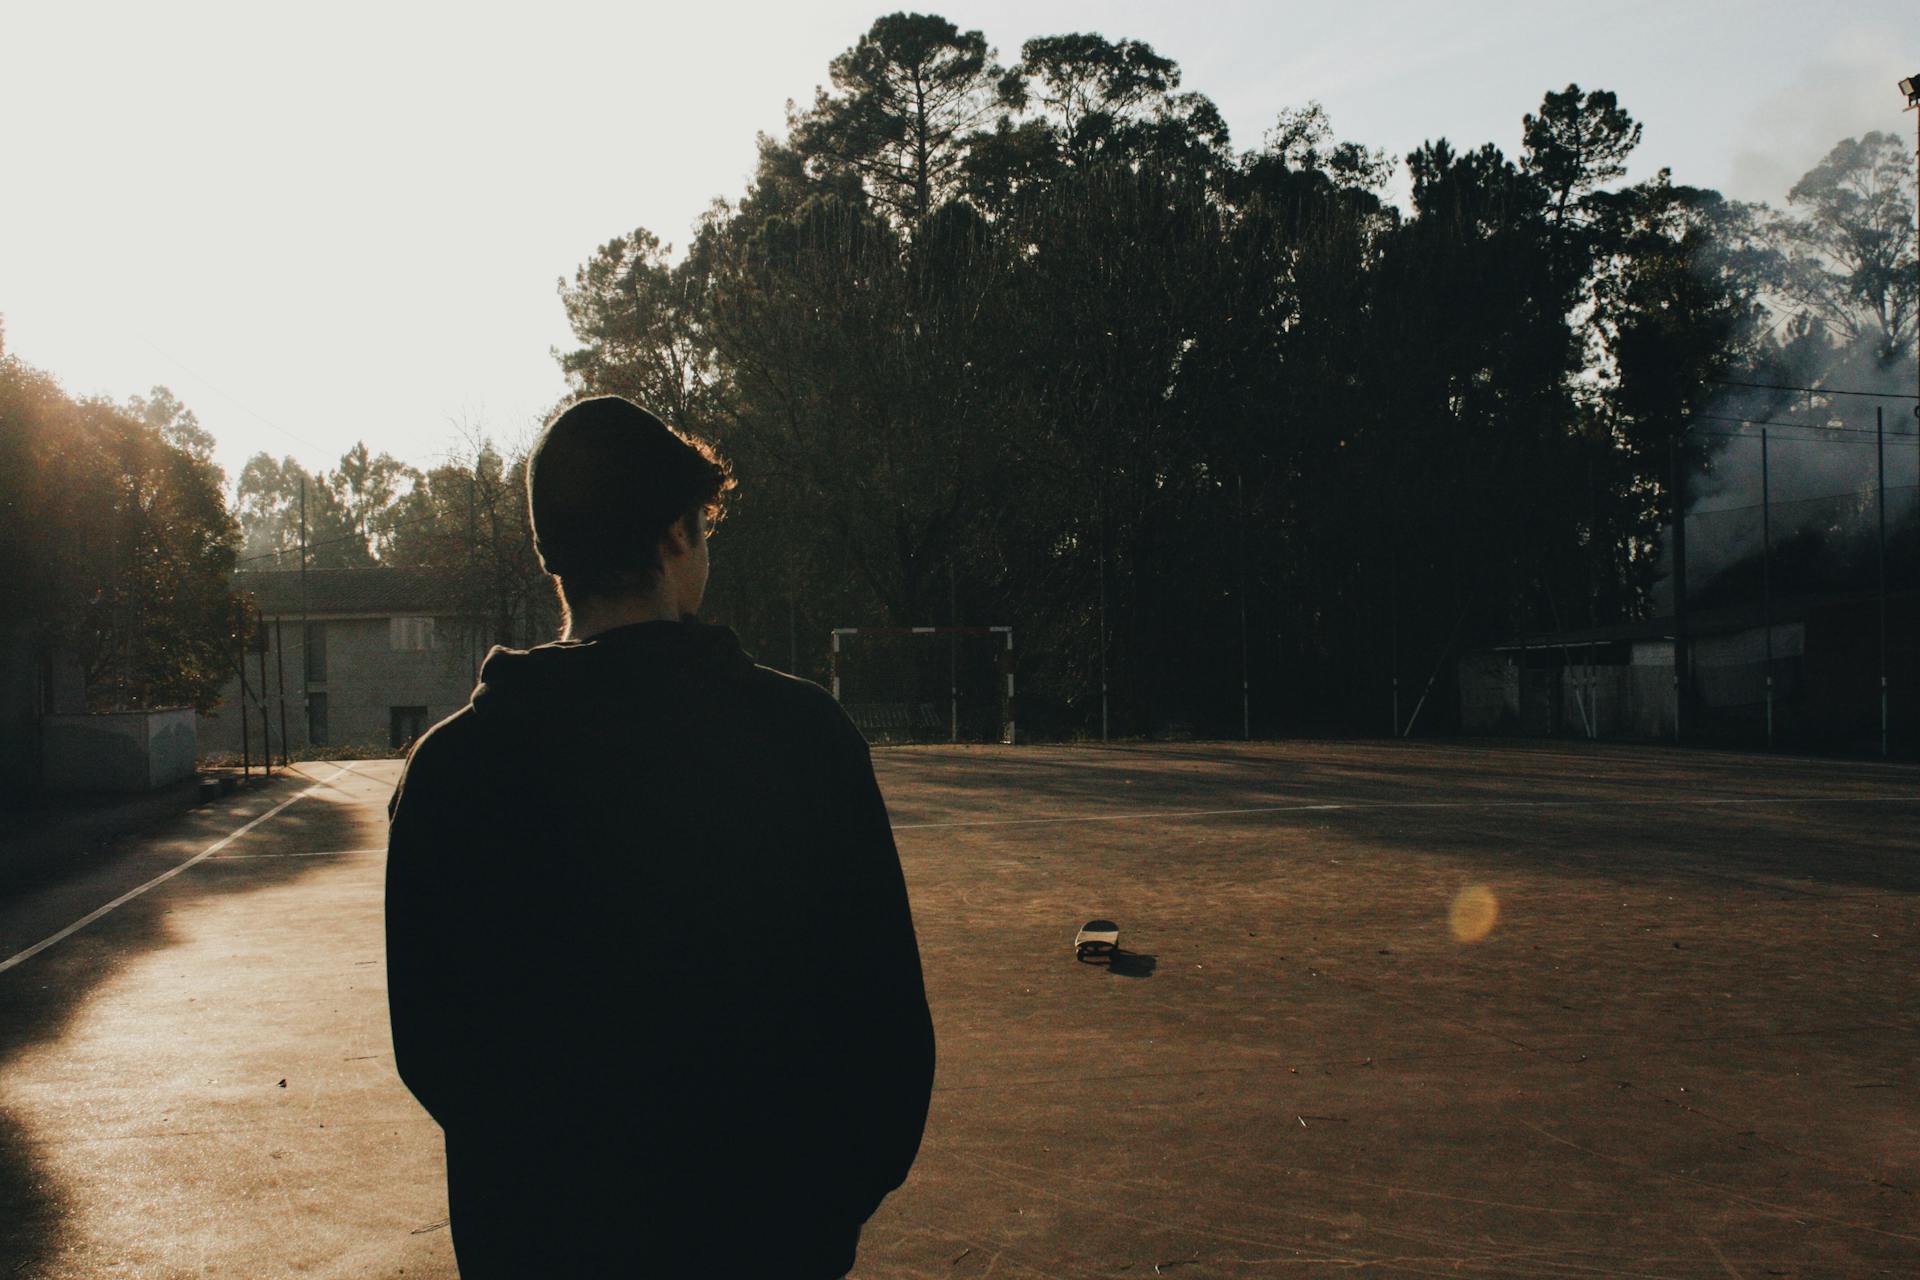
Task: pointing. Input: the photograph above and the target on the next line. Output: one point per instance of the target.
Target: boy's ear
(679, 538)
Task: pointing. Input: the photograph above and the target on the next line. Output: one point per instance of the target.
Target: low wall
(118, 751)
(1619, 701)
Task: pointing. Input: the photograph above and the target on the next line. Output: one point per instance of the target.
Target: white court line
(1412, 804)
(318, 853)
(162, 878)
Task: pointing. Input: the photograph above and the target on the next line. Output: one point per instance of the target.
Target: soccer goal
(926, 684)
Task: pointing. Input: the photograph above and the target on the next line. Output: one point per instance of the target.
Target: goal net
(926, 684)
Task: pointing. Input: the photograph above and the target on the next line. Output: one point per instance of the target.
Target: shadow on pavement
(1132, 964)
(41, 996)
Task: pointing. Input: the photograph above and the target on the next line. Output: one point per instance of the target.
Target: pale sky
(344, 222)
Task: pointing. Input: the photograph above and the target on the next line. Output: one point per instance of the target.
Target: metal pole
(1435, 674)
(1393, 639)
(1103, 617)
(1766, 574)
(246, 741)
(473, 577)
(1012, 736)
(953, 654)
(1246, 696)
(1566, 667)
(1880, 454)
(1523, 683)
(1915, 108)
(1593, 695)
(306, 625)
(1681, 657)
(280, 681)
(266, 737)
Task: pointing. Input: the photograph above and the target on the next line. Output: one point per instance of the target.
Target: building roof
(383, 592)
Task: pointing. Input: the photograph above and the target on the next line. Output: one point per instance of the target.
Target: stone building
(363, 658)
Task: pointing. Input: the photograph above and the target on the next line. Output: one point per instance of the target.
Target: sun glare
(1473, 914)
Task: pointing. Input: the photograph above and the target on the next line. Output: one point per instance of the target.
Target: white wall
(123, 751)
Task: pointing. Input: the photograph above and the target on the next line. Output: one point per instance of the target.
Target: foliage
(910, 93)
(466, 517)
(1849, 245)
(131, 542)
(349, 512)
(1036, 345)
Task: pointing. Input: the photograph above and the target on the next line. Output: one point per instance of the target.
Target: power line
(1818, 391)
(1799, 426)
(1866, 443)
(1867, 493)
(225, 395)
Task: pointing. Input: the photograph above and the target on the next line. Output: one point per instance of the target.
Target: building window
(316, 652)
(411, 635)
(317, 719)
(404, 725)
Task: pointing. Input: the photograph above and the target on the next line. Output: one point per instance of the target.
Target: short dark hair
(605, 482)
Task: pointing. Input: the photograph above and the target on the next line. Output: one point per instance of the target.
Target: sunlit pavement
(1402, 1009)
(200, 1082)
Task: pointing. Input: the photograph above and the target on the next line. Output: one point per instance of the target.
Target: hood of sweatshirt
(646, 664)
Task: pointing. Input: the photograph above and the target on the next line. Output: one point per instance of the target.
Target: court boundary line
(1409, 804)
(21, 957)
(1605, 750)
(317, 853)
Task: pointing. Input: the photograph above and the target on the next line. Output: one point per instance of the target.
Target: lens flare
(1473, 913)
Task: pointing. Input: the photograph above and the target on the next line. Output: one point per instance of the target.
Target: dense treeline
(117, 542)
(1036, 344)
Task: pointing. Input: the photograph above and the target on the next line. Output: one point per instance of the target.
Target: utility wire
(225, 395)
(1798, 426)
(1748, 435)
(1818, 391)
(1865, 494)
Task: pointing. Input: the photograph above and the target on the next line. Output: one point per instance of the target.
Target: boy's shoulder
(442, 751)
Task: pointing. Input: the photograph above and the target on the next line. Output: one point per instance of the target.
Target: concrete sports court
(1387, 1010)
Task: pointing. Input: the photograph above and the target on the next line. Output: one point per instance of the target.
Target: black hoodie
(651, 964)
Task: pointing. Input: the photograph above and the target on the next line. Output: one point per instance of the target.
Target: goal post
(926, 684)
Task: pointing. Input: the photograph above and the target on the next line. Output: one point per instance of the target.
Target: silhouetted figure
(649, 952)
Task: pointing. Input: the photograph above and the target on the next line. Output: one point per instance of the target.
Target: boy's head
(606, 482)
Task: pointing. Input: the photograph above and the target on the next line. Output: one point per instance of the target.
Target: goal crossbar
(926, 631)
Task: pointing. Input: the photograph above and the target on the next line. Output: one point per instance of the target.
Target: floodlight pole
(1911, 87)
